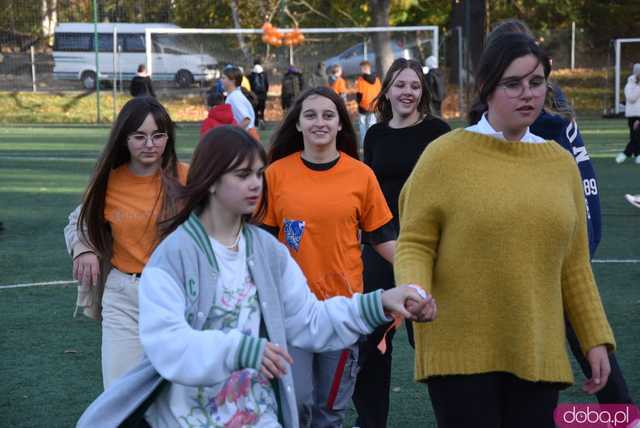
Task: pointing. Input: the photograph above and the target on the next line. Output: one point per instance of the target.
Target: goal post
(618, 87)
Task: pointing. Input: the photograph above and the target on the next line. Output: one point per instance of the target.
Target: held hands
(273, 361)
(599, 361)
(86, 269)
(411, 302)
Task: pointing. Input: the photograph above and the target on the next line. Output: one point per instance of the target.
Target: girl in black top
(391, 148)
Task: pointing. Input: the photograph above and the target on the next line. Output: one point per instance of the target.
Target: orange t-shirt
(369, 92)
(339, 86)
(319, 215)
(131, 210)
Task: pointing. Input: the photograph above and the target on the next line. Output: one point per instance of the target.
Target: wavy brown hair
(96, 231)
(220, 151)
(287, 139)
(383, 110)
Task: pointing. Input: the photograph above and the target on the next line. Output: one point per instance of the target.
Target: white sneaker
(633, 200)
(621, 157)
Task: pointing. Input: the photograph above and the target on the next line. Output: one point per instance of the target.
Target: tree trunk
(49, 17)
(381, 41)
(236, 23)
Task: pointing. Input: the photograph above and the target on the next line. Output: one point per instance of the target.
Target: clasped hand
(410, 301)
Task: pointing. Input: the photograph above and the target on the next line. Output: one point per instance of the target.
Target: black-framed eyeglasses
(157, 138)
(514, 88)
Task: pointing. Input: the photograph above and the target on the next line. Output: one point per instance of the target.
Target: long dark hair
(115, 154)
(495, 59)
(382, 104)
(287, 139)
(220, 150)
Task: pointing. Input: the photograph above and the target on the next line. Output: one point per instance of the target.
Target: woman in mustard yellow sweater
(489, 226)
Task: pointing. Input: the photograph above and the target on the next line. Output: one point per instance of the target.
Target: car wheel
(88, 79)
(184, 79)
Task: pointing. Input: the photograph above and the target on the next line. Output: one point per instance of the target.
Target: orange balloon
(265, 38)
(301, 38)
(277, 42)
(266, 27)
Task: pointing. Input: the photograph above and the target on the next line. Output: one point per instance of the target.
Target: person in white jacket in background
(632, 113)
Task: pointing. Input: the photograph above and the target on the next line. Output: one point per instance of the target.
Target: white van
(75, 59)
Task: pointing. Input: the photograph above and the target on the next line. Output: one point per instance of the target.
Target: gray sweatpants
(324, 385)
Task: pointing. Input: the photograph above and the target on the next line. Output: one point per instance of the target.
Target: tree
(49, 17)
(380, 10)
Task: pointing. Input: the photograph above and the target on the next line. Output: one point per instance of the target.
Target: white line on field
(46, 158)
(37, 284)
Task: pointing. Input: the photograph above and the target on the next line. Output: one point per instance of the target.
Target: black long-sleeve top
(393, 152)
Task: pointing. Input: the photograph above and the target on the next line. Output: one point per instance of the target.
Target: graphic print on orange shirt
(293, 230)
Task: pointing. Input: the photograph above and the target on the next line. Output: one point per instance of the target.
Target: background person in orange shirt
(367, 89)
(320, 198)
(126, 198)
(337, 83)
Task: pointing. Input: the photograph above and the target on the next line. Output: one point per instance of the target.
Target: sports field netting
(50, 366)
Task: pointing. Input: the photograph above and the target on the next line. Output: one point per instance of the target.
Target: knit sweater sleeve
(420, 213)
(581, 298)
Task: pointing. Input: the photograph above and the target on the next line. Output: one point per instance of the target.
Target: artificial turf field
(49, 361)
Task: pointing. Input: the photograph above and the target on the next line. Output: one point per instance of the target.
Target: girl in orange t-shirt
(320, 199)
(126, 198)
(338, 84)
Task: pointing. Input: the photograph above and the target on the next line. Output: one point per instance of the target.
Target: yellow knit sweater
(496, 231)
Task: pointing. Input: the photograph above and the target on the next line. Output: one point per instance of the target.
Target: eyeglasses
(156, 139)
(514, 88)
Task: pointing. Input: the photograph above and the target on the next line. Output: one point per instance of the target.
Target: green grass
(49, 362)
(81, 107)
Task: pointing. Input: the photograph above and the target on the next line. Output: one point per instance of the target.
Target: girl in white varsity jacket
(220, 300)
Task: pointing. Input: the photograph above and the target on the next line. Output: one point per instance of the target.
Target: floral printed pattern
(245, 398)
